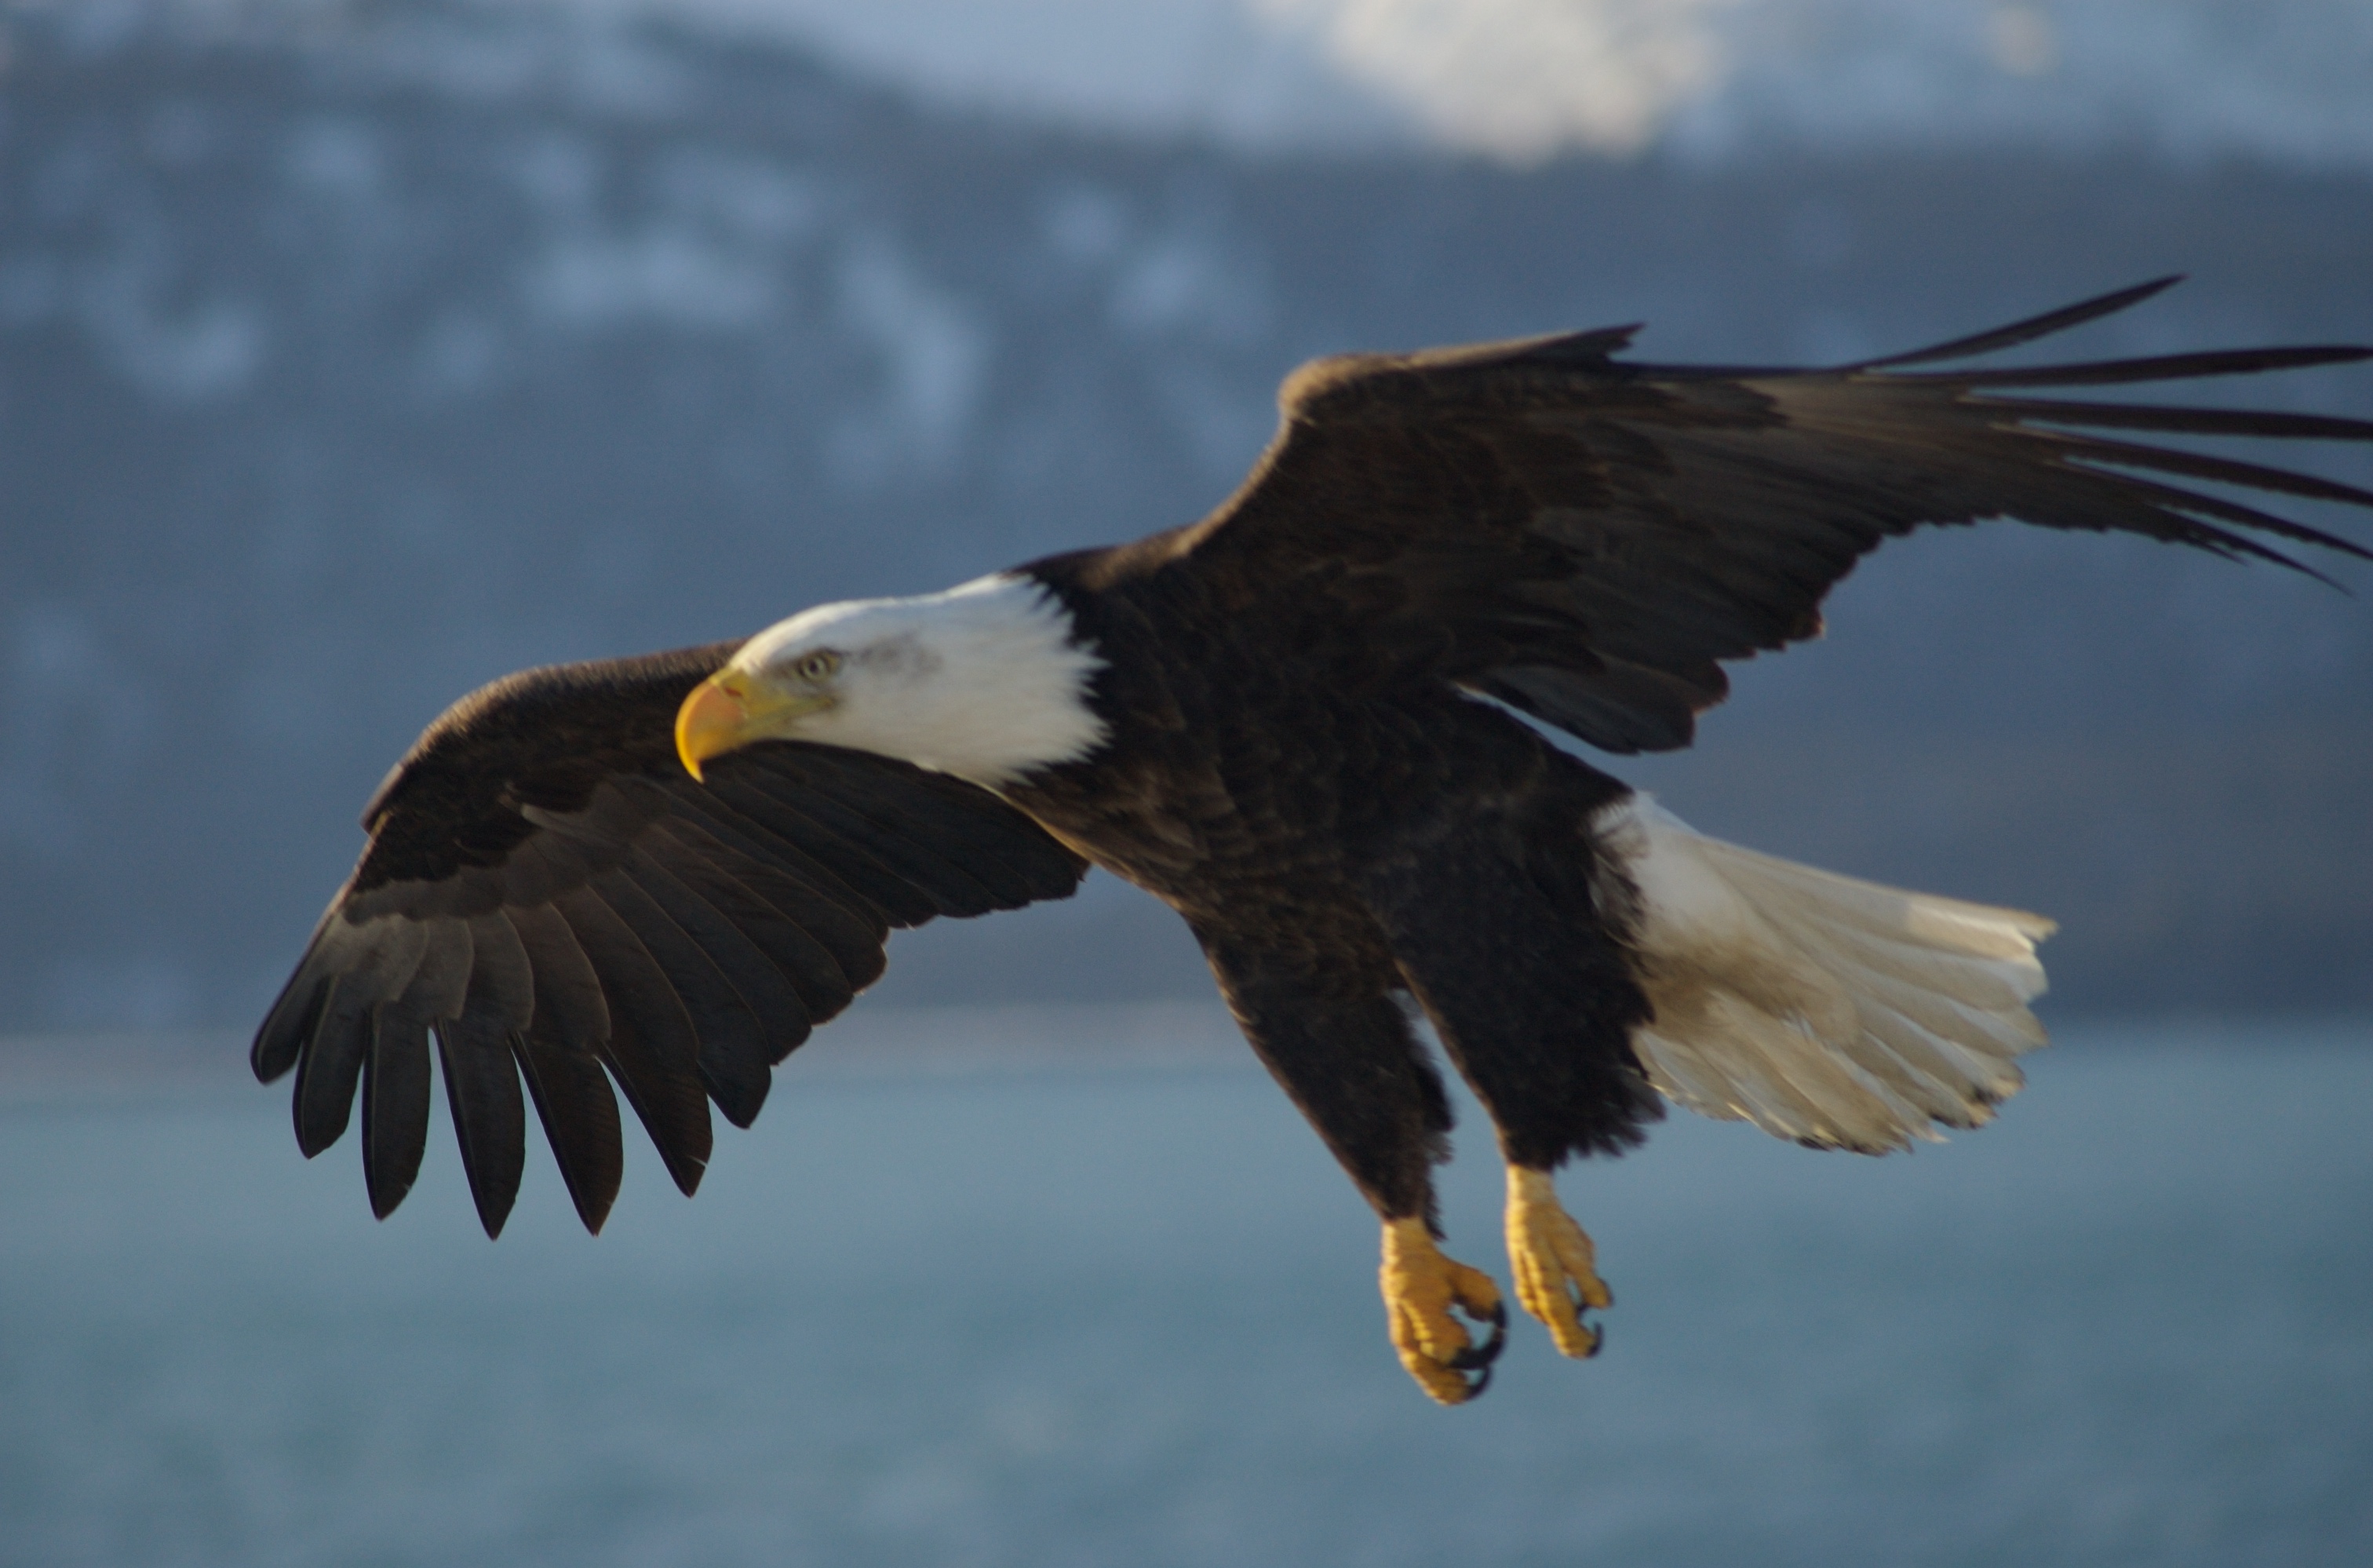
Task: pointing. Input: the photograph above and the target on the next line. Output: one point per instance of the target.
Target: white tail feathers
(1837, 1013)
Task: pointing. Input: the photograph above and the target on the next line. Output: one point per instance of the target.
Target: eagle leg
(1553, 1263)
(1421, 1287)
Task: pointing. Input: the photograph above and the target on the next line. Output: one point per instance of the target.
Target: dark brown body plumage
(1339, 841)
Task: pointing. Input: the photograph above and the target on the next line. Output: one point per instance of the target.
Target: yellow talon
(1421, 1286)
(1553, 1263)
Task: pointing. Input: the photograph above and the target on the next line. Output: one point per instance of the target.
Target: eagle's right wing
(548, 891)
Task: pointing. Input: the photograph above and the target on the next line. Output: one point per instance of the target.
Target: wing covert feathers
(1840, 1013)
(549, 899)
(1589, 539)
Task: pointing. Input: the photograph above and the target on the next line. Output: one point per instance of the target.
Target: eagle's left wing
(1586, 538)
(547, 892)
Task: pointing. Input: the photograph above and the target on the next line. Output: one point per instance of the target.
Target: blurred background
(356, 352)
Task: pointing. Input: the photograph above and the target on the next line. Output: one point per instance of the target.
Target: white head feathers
(984, 681)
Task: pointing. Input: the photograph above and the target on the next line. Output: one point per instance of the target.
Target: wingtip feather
(2028, 330)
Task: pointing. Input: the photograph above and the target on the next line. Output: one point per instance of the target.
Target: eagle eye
(817, 666)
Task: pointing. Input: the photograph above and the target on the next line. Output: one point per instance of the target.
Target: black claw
(1480, 1357)
(1475, 1389)
(1597, 1340)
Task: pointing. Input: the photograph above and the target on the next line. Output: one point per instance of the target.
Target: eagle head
(988, 680)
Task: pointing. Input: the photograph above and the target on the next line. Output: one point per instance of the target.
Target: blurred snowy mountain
(1520, 79)
(352, 354)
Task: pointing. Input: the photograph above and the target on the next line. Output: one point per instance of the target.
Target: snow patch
(933, 353)
(1520, 79)
(207, 348)
(663, 274)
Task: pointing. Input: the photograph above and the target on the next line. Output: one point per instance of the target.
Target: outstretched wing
(1585, 539)
(547, 892)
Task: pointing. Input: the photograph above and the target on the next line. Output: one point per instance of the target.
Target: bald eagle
(1315, 724)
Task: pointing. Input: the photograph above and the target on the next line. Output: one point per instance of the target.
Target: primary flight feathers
(1266, 719)
(544, 884)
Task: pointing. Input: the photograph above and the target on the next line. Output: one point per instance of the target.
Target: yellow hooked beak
(730, 709)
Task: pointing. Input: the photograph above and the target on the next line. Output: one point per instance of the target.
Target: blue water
(1128, 1316)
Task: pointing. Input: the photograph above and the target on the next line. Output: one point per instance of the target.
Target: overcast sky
(1520, 79)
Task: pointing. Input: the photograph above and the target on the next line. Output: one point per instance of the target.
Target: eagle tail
(1838, 1012)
